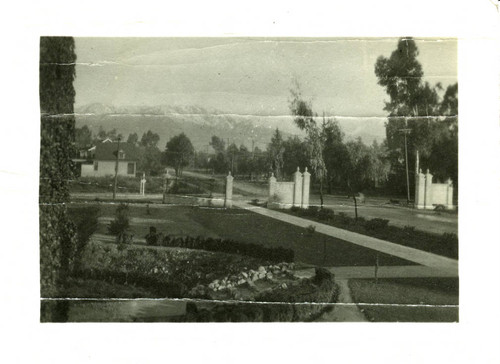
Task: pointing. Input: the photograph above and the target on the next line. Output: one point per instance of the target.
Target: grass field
(402, 294)
(247, 227)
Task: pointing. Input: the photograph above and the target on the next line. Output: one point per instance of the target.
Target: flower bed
(296, 302)
(170, 273)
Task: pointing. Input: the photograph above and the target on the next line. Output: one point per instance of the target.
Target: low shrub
(275, 255)
(376, 224)
(311, 229)
(312, 210)
(153, 238)
(121, 222)
(325, 214)
(343, 219)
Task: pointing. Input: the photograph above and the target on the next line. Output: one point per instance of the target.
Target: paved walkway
(448, 265)
(345, 310)
(405, 271)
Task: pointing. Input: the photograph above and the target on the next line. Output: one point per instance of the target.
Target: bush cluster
(275, 255)
(376, 224)
(121, 223)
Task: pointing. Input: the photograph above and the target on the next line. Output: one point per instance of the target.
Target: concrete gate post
(420, 190)
(228, 198)
(449, 195)
(306, 180)
(272, 186)
(428, 191)
(297, 188)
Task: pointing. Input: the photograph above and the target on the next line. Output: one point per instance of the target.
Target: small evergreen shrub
(121, 223)
(376, 224)
(312, 210)
(311, 229)
(343, 219)
(326, 214)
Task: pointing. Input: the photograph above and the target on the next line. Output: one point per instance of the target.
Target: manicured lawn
(406, 292)
(171, 220)
(444, 244)
(247, 227)
(317, 249)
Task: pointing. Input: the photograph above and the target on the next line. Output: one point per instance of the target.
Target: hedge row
(291, 304)
(275, 255)
(445, 244)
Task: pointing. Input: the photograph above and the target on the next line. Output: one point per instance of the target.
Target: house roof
(106, 151)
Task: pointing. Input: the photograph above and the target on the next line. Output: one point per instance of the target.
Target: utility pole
(406, 132)
(116, 169)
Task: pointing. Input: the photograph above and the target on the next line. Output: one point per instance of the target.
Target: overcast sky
(247, 76)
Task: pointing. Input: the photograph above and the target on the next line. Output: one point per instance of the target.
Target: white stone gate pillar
(228, 198)
(297, 188)
(420, 190)
(272, 186)
(449, 195)
(306, 180)
(428, 191)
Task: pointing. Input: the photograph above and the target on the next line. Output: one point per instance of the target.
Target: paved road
(375, 207)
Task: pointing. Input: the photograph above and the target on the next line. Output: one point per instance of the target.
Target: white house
(105, 160)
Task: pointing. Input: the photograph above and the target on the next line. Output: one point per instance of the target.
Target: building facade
(104, 162)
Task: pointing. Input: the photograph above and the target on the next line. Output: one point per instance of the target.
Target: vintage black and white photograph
(248, 179)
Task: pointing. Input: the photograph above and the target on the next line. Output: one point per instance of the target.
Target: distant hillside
(200, 124)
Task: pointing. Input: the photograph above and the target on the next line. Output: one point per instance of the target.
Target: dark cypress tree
(57, 234)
